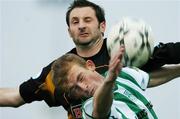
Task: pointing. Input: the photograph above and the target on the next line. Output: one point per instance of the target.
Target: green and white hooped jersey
(130, 101)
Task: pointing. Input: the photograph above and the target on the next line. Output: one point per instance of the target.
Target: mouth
(83, 34)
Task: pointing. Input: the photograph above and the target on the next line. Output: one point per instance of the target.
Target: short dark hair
(85, 3)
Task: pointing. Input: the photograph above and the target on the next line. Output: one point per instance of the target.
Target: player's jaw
(84, 38)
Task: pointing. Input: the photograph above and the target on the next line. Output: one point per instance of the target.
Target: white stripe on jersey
(141, 77)
(132, 85)
(114, 113)
(138, 102)
(123, 107)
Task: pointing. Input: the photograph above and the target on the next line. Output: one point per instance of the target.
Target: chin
(84, 41)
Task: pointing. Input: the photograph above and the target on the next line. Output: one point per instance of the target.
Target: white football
(136, 36)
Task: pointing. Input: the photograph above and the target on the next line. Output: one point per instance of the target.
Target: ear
(103, 26)
(90, 65)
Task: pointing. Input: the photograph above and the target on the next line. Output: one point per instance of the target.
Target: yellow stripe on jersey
(47, 85)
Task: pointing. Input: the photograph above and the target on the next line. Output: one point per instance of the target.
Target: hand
(115, 65)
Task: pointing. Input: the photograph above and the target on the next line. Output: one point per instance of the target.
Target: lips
(83, 34)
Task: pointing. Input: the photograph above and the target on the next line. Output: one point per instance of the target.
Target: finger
(118, 55)
(113, 73)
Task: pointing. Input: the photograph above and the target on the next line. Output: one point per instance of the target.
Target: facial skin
(84, 27)
(83, 82)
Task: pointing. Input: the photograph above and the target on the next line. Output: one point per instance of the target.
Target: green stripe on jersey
(139, 96)
(123, 116)
(126, 76)
(129, 103)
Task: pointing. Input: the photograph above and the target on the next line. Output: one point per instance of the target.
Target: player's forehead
(81, 12)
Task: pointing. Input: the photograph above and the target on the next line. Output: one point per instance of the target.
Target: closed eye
(74, 20)
(88, 19)
(80, 77)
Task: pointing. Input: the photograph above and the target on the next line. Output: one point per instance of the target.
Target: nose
(82, 26)
(82, 29)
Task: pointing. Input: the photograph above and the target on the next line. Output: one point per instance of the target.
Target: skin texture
(83, 82)
(86, 31)
(10, 97)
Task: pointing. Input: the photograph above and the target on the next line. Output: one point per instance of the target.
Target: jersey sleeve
(144, 79)
(30, 90)
(163, 54)
(136, 76)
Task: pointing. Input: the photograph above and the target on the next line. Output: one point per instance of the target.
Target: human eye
(88, 19)
(80, 77)
(74, 21)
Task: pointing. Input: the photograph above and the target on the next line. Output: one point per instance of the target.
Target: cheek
(72, 31)
(96, 32)
(96, 81)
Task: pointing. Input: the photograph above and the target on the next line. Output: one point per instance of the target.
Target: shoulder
(41, 76)
(73, 51)
(134, 76)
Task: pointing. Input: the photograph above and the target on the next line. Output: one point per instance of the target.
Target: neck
(90, 49)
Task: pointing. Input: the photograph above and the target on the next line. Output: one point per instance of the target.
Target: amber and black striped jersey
(42, 88)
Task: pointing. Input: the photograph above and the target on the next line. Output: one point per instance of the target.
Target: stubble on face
(84, 27)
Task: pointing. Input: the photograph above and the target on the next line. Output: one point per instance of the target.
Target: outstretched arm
(10, 97)
(103, 96)
(167, 53)
(164, 74)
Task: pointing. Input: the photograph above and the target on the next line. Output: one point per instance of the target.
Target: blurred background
(34, 32)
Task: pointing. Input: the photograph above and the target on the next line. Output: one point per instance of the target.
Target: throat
(90, 49)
